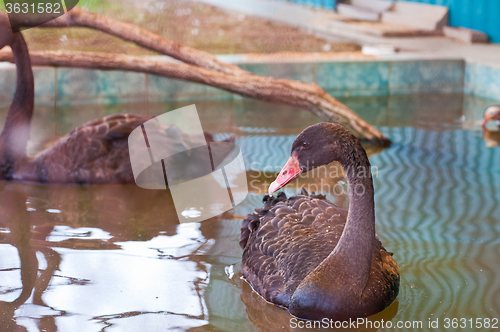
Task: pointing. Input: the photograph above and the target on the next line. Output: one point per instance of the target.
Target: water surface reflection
(115, 258)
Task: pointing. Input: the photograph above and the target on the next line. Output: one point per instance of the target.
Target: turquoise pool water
(115, 258)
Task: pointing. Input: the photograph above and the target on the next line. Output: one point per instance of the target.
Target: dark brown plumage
(311, 256)
(94, 153)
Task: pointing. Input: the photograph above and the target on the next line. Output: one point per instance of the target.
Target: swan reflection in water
(491, 138)
(19, 236)
(104, 252)
(269, 318)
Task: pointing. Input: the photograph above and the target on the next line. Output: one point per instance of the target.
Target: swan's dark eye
(305, 145)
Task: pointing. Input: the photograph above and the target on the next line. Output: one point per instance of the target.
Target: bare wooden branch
(78, 17)
(308, 96)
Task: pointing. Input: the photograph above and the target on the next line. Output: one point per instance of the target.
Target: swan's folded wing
(285, 240)
(92, 153)
(253, 220)
(110, 127)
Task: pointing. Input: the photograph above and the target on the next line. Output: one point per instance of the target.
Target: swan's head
(5, 30)
(491, 113)
(318, 145)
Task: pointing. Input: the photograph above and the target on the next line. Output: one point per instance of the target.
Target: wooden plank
(357, 13)
(417, 15)
(465, 35)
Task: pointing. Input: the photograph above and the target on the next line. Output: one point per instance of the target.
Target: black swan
(491, 113)
(94, 153)
(311, 256)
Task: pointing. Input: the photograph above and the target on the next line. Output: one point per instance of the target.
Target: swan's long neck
(347, 267)
(15, 134)
(355, 248)
(337, 284)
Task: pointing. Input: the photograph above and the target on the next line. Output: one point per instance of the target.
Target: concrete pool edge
(341, 77)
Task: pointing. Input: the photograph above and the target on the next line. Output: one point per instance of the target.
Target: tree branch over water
(199, 67)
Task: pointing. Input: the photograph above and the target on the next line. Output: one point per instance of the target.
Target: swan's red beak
(289, 172)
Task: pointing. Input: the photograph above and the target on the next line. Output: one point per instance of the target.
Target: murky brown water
(115, 258)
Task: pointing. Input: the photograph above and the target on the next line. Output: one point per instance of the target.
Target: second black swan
(94, 153)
